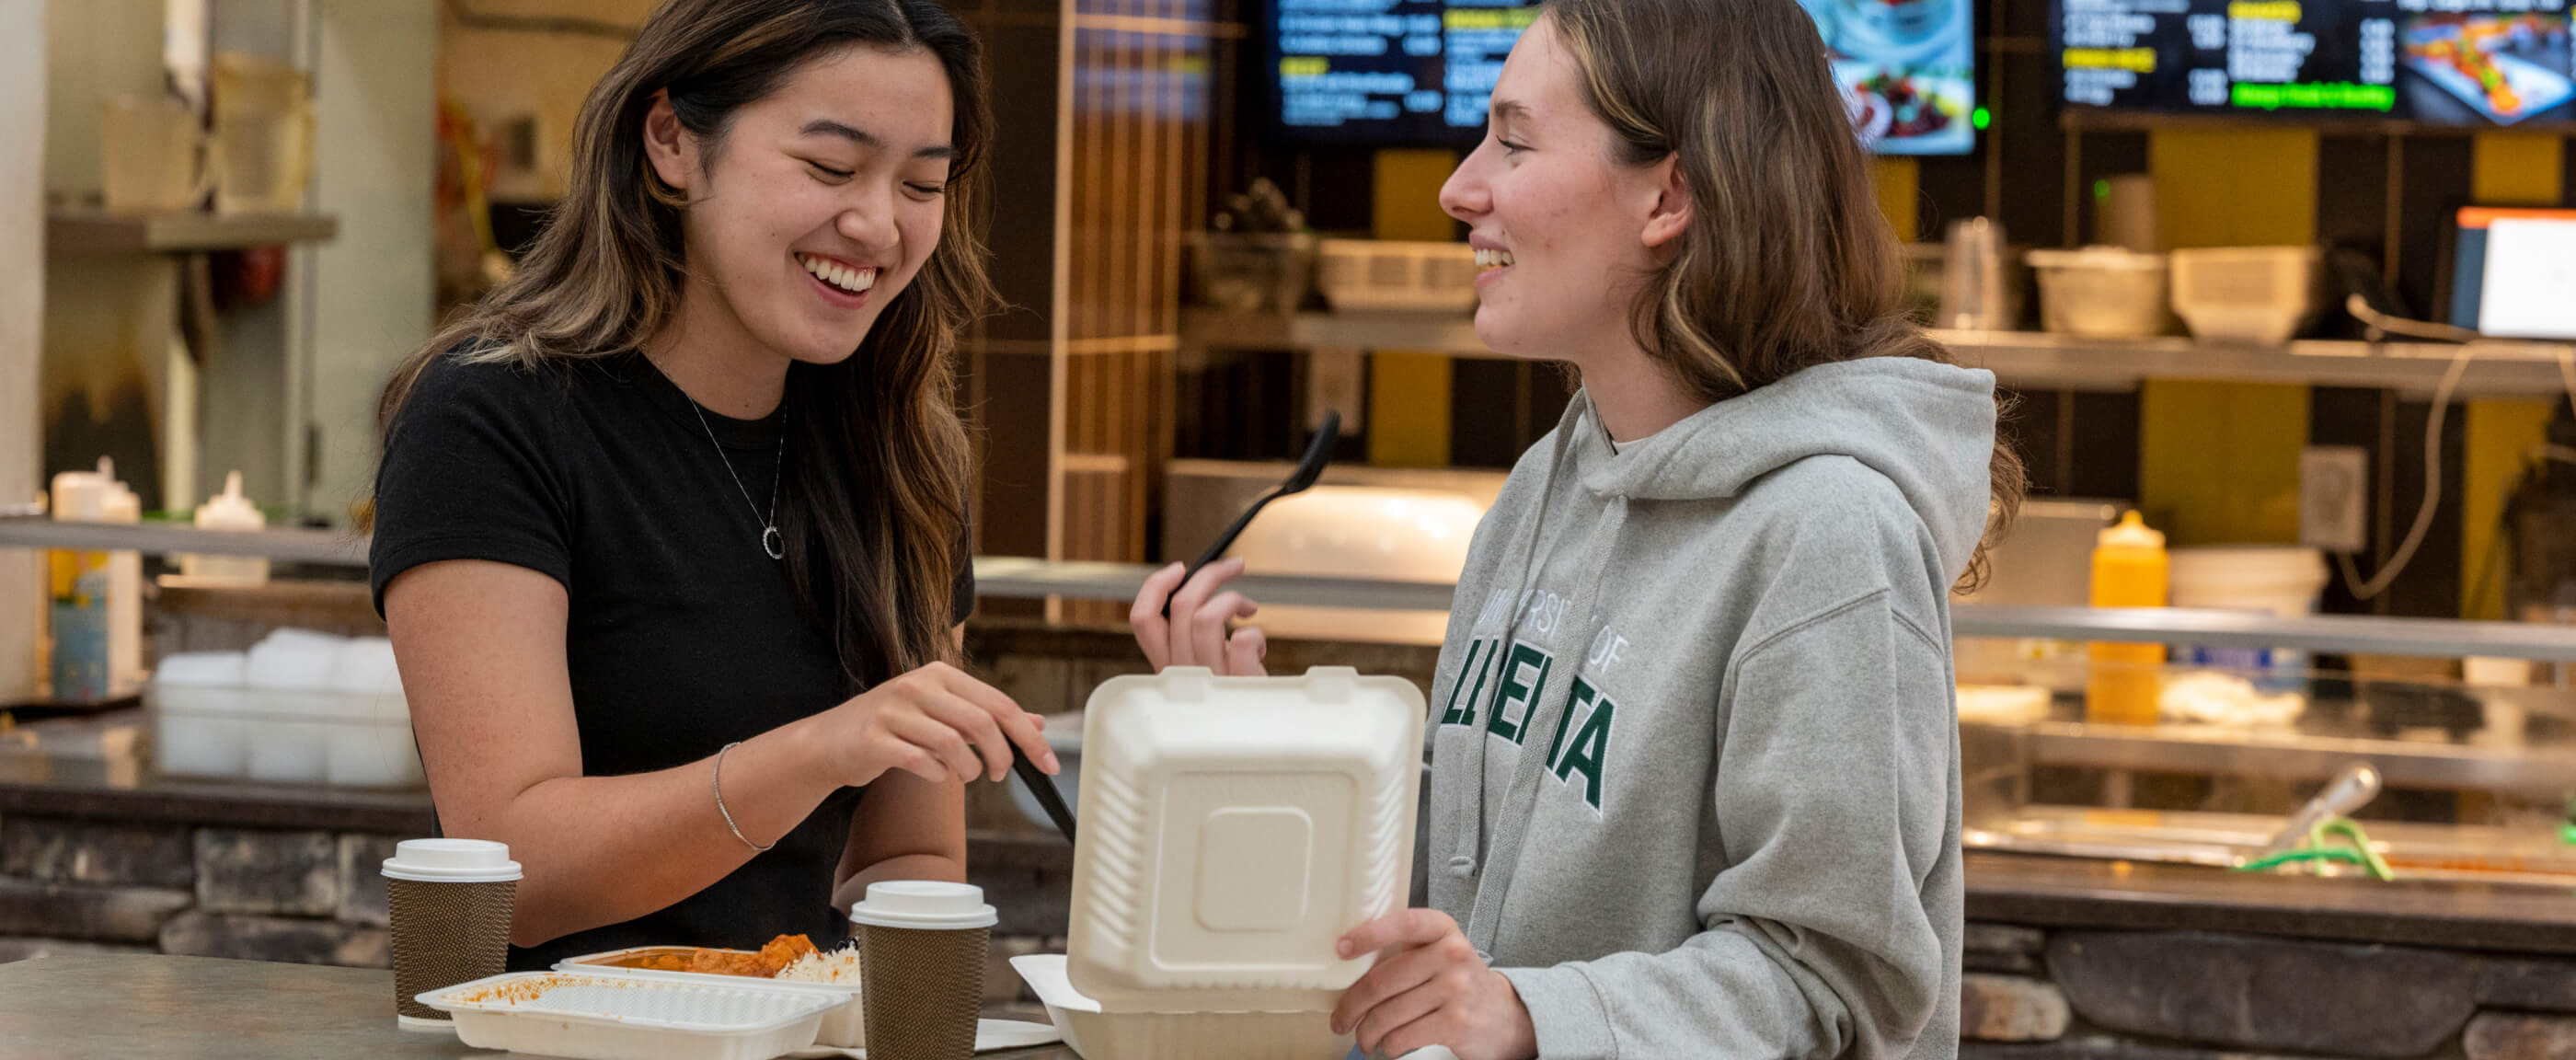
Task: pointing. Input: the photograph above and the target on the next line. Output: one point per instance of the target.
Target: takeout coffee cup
(450, 901)
(921, 967)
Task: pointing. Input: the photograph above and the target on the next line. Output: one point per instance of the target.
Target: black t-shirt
(683, 635)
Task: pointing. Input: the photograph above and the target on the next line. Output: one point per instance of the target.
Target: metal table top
(156, 1007)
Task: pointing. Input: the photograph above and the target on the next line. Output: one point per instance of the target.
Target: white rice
(827, 966)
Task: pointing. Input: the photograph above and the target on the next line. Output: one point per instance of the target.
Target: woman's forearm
(603, 850)
(901, 867)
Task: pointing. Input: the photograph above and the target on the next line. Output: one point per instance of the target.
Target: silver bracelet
(720, 806)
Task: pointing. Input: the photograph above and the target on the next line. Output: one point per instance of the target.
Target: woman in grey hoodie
(1695, 778)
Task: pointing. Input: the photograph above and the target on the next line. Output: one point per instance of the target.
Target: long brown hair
(1787, 262)
(872, 492)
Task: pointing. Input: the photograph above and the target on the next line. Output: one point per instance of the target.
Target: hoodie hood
(1929, 427)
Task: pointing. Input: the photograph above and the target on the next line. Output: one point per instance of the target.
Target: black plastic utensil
(1043, 786)
(1318, 453)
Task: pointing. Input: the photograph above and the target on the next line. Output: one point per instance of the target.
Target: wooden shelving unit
(96, 232)
(2020, 359)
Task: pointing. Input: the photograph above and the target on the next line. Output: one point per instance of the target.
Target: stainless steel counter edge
(2140, 896)
(323, 547)
(2338, 634)
(2544, 774)
(1031, 875)
(404, 812)
(1014, 576)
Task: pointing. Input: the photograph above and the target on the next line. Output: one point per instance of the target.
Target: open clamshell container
(598, 1016)
(1233, 829)
(844, 1027)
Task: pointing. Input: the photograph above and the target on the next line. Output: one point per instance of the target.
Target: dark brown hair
(872, 493)
(1788, 261)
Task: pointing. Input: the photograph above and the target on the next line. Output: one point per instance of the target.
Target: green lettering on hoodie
(1581, 701)
(1524, 684)
(1591, 748)
(1457, 714)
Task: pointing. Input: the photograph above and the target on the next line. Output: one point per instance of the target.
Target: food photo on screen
(2489, 69)
(1902, 111)
(1907, 71)
(1897, 23)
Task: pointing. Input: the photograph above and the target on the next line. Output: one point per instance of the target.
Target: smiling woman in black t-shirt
(670, 528)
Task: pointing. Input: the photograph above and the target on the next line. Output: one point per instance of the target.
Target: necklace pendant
(773, 542)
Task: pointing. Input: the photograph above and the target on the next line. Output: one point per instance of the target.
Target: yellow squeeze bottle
(2129, 569)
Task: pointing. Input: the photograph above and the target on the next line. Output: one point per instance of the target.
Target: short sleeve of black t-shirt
(682, 634)
(472, 471)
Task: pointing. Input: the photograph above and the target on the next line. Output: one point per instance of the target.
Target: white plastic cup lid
(451, 861)
(924, 904)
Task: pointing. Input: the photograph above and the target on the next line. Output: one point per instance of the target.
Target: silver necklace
(771, 541)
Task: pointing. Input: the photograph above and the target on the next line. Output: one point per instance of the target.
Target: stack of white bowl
(299, 708)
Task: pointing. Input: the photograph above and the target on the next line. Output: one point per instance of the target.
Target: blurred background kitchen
(2294, 283)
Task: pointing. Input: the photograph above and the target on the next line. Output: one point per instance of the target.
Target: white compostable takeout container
(1233, 829)
(1101, 1035)
(594, 1016)
(845, 1027)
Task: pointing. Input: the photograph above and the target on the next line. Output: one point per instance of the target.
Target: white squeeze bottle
(229, 513)
(97, 596)
(76, 594)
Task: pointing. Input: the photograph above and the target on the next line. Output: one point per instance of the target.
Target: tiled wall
(79, 885)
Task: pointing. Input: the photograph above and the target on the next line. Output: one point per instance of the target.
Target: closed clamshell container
(1232, 830)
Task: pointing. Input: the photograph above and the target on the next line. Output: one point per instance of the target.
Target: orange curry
(766, 964)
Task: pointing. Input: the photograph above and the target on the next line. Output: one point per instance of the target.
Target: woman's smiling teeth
(841, 277)
(1492, 259)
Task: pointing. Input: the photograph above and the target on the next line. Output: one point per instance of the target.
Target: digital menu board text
(2485, 63)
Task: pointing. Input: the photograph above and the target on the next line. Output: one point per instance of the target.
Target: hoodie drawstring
(1521, 797)
(1469, 841)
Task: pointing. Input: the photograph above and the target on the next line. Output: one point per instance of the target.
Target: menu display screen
(2476, 63)
(1423, 71)
(1390, 71)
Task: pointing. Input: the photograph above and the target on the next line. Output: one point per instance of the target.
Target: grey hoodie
(1695, 780)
